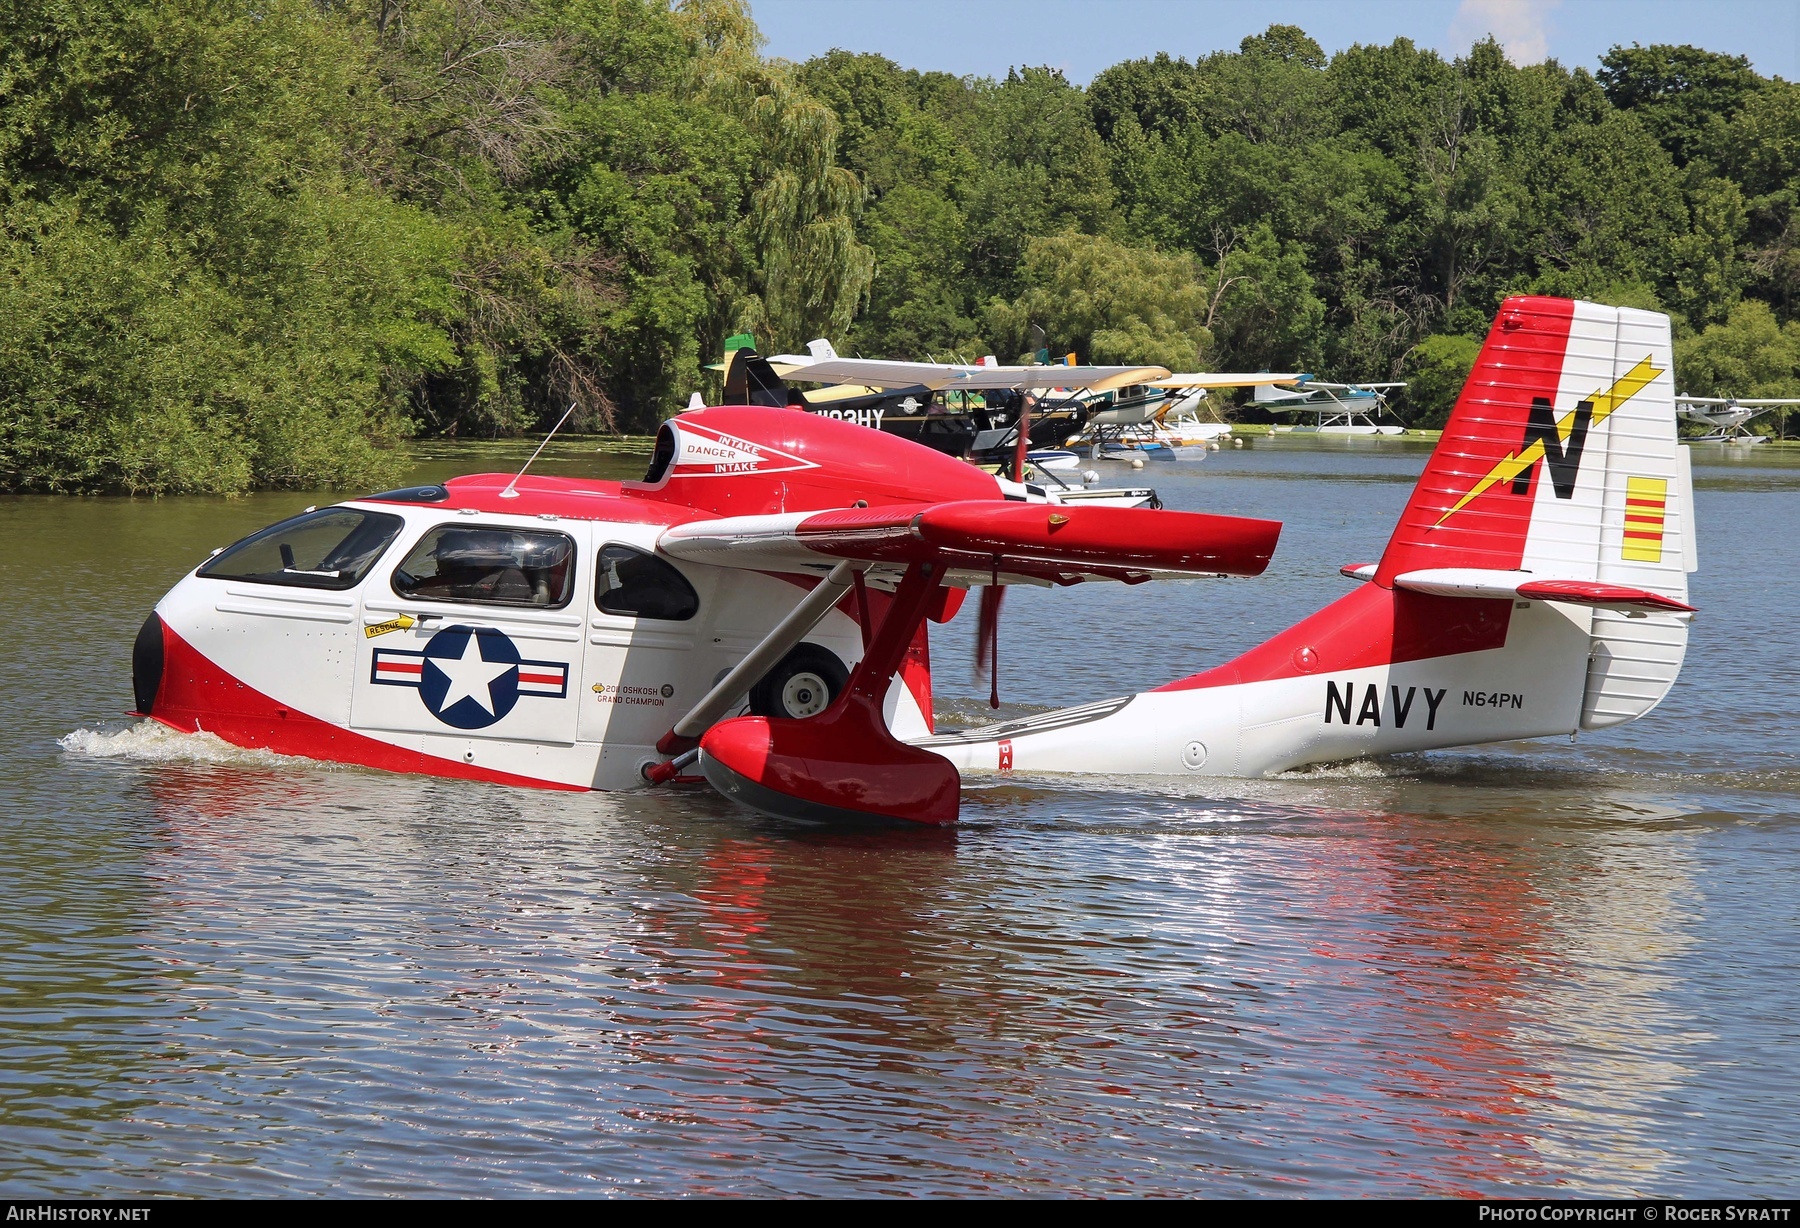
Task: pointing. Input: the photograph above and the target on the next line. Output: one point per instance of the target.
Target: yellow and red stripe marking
(1646, 501)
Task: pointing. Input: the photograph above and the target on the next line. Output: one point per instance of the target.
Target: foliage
(1681, 93)
(1435, 371)
(1107, 302)
(1750, 354)
(253, 244)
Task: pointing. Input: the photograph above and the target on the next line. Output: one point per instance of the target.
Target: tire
(804, 683)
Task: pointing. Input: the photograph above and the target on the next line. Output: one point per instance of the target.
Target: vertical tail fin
(1561, 460)
(1567, 403)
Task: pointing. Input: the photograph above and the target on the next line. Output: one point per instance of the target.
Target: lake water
(1535, 968)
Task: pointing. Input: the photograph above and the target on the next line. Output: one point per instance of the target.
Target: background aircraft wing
(1226, 379)
(1760, 402)
(1031, 543)
(881, 373)
(1099, 379)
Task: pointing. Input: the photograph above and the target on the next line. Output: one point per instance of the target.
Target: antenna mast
(509, 492)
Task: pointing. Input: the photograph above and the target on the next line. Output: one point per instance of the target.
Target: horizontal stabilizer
(1529, 586)
(1018, 542)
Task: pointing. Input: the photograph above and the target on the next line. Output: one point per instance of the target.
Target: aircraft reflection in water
(1459, 1013)
(607, 635)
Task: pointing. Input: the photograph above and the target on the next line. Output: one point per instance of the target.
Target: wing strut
(731, 689)
(843, 763)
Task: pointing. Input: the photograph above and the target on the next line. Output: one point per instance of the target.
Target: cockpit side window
(634, 584)
(333, 548)
(489, 566)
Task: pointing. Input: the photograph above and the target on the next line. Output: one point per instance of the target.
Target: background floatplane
(1729, 417)
(1337, 409)
(1052, 417)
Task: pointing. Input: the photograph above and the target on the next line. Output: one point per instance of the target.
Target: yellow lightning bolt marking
(1511, 466)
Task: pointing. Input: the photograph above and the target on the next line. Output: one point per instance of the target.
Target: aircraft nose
(147, 664)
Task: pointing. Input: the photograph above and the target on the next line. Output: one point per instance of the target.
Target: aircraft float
(755, 611)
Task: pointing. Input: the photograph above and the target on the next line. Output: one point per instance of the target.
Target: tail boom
(1536, 584)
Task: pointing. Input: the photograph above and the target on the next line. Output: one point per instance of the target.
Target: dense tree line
(254, 245)
(1359, 215)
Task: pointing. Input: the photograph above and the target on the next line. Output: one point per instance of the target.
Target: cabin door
(649, 656)
(476, 634)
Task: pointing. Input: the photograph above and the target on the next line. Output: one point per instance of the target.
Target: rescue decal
(1646, 501)
(1399, 710)
(1558, 441)
(706, 452)
(469, 677)
(402, 623)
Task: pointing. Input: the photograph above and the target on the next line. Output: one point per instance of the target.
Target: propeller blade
(987, 640)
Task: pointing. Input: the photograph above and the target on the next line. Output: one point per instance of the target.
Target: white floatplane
(1337, 409)
(1163, 418)
(1729, 417)
(755, 611)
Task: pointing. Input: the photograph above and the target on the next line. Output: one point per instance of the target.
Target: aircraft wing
(1737, 402)
(979, 540)
(1211, 379)
(881, 373)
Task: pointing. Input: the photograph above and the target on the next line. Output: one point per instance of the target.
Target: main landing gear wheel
(804, 683)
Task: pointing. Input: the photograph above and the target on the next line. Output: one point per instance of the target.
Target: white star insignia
(470, 676)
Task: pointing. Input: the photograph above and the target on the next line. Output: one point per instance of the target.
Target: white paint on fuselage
(308, 650)
(1530, 688)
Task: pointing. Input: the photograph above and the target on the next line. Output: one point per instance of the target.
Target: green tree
(1680, 93)
(1107, 303)
(1436, 370)
(1264, 313)
(1043, 169)
(1749, 354)
(199, 292)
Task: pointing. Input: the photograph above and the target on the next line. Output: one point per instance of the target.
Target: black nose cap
(147, 664)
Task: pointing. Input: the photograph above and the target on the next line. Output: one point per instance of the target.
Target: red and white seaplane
(586, 634)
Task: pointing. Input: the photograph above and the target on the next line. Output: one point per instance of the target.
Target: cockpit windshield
(333, 548)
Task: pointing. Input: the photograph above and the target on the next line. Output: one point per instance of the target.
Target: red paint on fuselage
(196, 696)
(1372, 626)
(842, 462)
